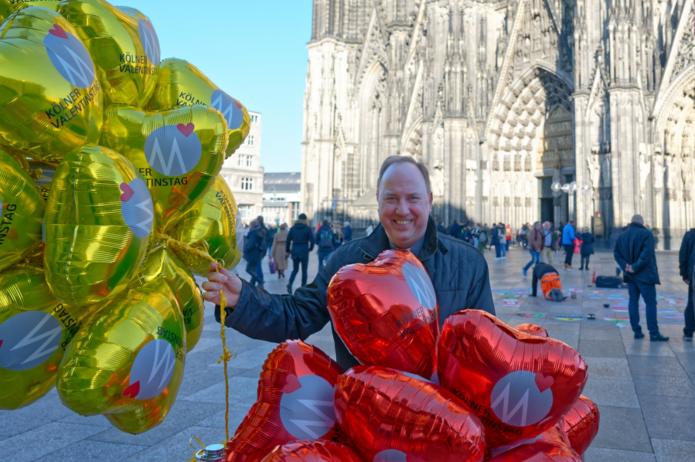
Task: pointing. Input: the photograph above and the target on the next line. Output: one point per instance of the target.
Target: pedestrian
(459, 274)
(278, 250)
(568, 237)
(634, 253)
(507, 237)
(300, 241)
(587, 248)
(686, 264)
(547, 252)
(254, 251)
(551, 286)
(496, 241)
(325, 242)
(347, 232)
(535, 245)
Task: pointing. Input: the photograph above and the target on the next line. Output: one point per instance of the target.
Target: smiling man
(459, 272)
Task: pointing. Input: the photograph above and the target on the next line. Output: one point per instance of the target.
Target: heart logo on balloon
(182, 84)
(34, 331)
(123, 45)
(518, 384)
(178, 153)
(295, 402)
(386, 312)
(52, 101)
(390, 415)
(99, 218)
(135, 380)
(581, 423)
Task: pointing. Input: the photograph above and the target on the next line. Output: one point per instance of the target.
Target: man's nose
(402, 206)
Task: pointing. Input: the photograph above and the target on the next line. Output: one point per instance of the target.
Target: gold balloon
(98, 221)
(178, 152)
(50, 98)
(162, 263)
(21, 212)
(210, 225)
(130, 363)
(123, 45)
(8, 7)
(182, 84)
(34, 331)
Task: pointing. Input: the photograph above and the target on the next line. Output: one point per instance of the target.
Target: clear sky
(255, 50)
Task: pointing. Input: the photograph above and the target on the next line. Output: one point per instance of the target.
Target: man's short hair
(302, 216)
(638, 219)
(397, 159)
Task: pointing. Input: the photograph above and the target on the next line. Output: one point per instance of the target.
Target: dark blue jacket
(686, 255)
(255, 244)
(329, 244)
(347, 233)
(635, 246)
(459, 275)
(587, 244)
(300, 240)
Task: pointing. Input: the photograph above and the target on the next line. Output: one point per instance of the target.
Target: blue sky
(253, 50)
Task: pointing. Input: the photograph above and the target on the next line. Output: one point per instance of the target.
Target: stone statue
(645, 168)
(594, 169)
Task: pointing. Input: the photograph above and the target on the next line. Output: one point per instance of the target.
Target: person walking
(347, 232)
(254, 250)
(547, 252)
(686, 264)
(497, 238)
(278, 251)
(568, 237)
(587, 248)
(507, 237)
(300, 241)
(535, 245)
(326, 242)
(634, 253)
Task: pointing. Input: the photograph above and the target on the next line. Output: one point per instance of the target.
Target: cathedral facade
(522, 110)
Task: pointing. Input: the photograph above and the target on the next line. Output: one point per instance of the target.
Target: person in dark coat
(326, 242)
(686, 262)
(300, 241)
(549, 278)
(634, 253)
(254, 250)
(587, 248)
(347, 232)
(459, 273)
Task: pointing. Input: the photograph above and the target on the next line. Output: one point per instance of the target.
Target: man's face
(404, 204)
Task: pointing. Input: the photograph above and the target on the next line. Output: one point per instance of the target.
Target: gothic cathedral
(522, 110)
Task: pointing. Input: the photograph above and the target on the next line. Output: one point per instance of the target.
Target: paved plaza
(645, 391)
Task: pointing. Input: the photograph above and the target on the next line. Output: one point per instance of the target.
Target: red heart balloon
(551, 445)
(581, 423)
(518, 384)
(533, 329)
(314, 451)
(386, 312)
(391, 415)
(295, 402)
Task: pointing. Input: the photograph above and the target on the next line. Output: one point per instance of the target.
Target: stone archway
(674, 160)
(530, 142)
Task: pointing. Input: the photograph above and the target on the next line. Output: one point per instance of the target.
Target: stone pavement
(645, 391)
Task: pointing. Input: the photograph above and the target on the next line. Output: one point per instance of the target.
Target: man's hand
(628, 268)
(223, 280)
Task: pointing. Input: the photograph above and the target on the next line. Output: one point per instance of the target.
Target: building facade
(521, 109)
(244, 174)
(281, 197)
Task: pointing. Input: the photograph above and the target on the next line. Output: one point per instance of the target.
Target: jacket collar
(378, 241)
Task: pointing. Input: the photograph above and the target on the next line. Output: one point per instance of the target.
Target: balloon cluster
(110, 200)
(478, 390)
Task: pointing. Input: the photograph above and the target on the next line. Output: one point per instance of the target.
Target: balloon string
(180, 247)
(226, 356)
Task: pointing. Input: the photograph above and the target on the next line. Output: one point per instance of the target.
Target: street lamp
(566, 188)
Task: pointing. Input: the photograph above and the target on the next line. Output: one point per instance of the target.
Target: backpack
(325, 239)
(608, 282)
